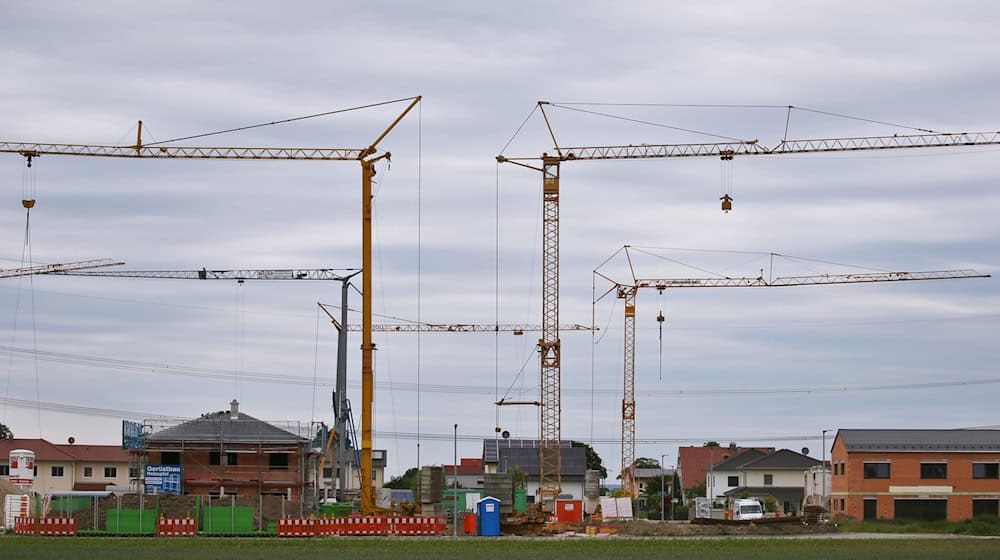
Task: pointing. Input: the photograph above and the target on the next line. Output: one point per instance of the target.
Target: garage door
(922, 510)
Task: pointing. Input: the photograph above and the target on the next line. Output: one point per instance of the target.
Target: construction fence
(133, 514)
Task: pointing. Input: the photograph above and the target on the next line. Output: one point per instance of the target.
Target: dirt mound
(640, 528)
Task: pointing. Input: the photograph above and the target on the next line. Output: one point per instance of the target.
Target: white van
(748, 508)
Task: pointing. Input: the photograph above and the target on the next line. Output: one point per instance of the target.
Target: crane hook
(727, 203)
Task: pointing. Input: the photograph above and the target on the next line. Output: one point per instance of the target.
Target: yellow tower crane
(549, 345)
(627, 293)
(367, 156)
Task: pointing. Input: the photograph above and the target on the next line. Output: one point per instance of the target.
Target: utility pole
(454, 487)
(662, 497)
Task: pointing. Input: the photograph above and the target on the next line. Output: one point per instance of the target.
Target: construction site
(342, 321)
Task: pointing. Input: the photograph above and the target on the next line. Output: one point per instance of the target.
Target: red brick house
(694, 463)
(232, 453)
(916, 474)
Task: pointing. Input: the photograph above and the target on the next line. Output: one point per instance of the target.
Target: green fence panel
(228, 520)
(69, 504)
(127, 521)
(336, 510)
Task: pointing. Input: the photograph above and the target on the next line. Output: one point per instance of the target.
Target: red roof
(467, 466)
(47, 451)
(44, 450)
(96, 453)
(694, 462)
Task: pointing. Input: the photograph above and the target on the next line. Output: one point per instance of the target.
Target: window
(986, 470)
(842, 505)
(327, 472)
(110, 472)
(88, 472)
(4, 470)
(985, 507)
(214, 458)
(768, 480)
(170, 457)
(133, 473)
(843, 469)
(57, 471)
(934, 470)
(277, 461)
(733, 481)
(877, 470)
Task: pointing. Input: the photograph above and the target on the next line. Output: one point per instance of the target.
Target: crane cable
(28, 185)
(238, 360)
(376, 189)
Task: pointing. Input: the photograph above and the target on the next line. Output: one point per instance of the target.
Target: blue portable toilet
(488, 517)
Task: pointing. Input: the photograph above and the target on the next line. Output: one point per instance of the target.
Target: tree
(594, 461)
(405, 481)
(697, 491)
(5, 432)
(711, 444)
(646, 463)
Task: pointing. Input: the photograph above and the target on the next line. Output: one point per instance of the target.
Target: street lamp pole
(454, 487)
(823, 470)
(663, 462)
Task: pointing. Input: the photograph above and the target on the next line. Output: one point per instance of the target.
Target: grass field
(81, 548)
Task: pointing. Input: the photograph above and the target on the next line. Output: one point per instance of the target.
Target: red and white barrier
(295, 527)
(48, 526)
(176, 527)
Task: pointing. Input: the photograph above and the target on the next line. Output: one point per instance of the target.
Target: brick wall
(959, 488)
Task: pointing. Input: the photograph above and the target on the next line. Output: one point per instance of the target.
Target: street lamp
(662, 496)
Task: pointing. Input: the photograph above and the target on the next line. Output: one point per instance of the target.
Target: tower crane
(628, 292)
(343, 327)
(57, 267)
(367, 156)
(549, 344)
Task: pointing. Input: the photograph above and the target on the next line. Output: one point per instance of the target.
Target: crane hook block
(727, 203)
(28, 203)
(660, 318)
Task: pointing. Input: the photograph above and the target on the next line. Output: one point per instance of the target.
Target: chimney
(732, 447)
(234, 409)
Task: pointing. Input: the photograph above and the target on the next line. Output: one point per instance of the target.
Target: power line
(461, 389)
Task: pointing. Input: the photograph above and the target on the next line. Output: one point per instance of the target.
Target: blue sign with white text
(163, 479)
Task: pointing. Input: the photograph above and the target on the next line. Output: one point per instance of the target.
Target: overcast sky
(450, 222)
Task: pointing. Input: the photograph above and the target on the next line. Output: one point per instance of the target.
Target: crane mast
(549, 165)
(367, 157)
(628, 292)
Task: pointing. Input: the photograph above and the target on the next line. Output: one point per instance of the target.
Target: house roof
(780, 493)
(782, 459)
(490, 447)
(218, 427)
(44, 450)
(467, 466)
(573, 460)
(736, 462)
(97, 453)
(644, 474)
(919, 440)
